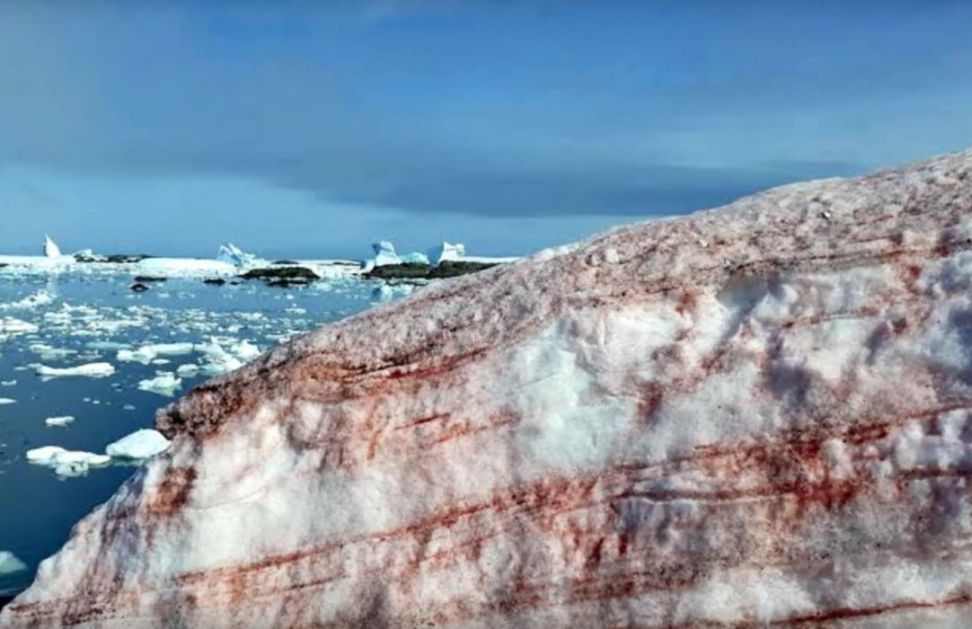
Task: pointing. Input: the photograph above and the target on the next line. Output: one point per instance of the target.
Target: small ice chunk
(9, 325)
(5, 400)
(141, 444)
(164, 383)
(9, 563)
(187, 371)
(66, 462)
(63, 420)
(89, 370)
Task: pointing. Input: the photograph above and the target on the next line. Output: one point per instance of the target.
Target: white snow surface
(755, 416)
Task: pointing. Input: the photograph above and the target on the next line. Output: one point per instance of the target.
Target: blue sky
(312, 128)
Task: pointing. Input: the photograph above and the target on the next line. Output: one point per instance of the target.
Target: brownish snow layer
(757, 415)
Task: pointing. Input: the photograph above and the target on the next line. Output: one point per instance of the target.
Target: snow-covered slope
(755, 415)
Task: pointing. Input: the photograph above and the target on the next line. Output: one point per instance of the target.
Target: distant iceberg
(51, 250)
(232, 254)
(385, 254)
(447, 251)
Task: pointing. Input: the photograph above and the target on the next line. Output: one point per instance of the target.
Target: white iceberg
(63, 420)
(385, 254)
(5, 400)
(447, 251)
(89, 370)
(231, 254)
(141, 444)
(164, 383)
(9, 563)
(51, 250)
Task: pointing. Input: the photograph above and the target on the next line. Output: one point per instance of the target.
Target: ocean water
(82, 318)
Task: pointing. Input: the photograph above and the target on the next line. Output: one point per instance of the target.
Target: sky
(312, 129)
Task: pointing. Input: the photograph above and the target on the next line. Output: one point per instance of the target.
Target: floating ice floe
(164, 383)
(388, 292)
(10, 326)
(148, 353)
(221, 360)
(51, 250)
(107, 346)
(66, 462)
(187, 371)
(9, 563)
(39, 299)
(47, 352)
(5, 401)
(141, 444)
(63, 420)
(89, 370)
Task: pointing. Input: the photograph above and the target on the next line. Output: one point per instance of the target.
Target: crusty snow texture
(754, 415)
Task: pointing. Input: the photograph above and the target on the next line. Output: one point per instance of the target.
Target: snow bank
(756, 416)
(141, 444)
